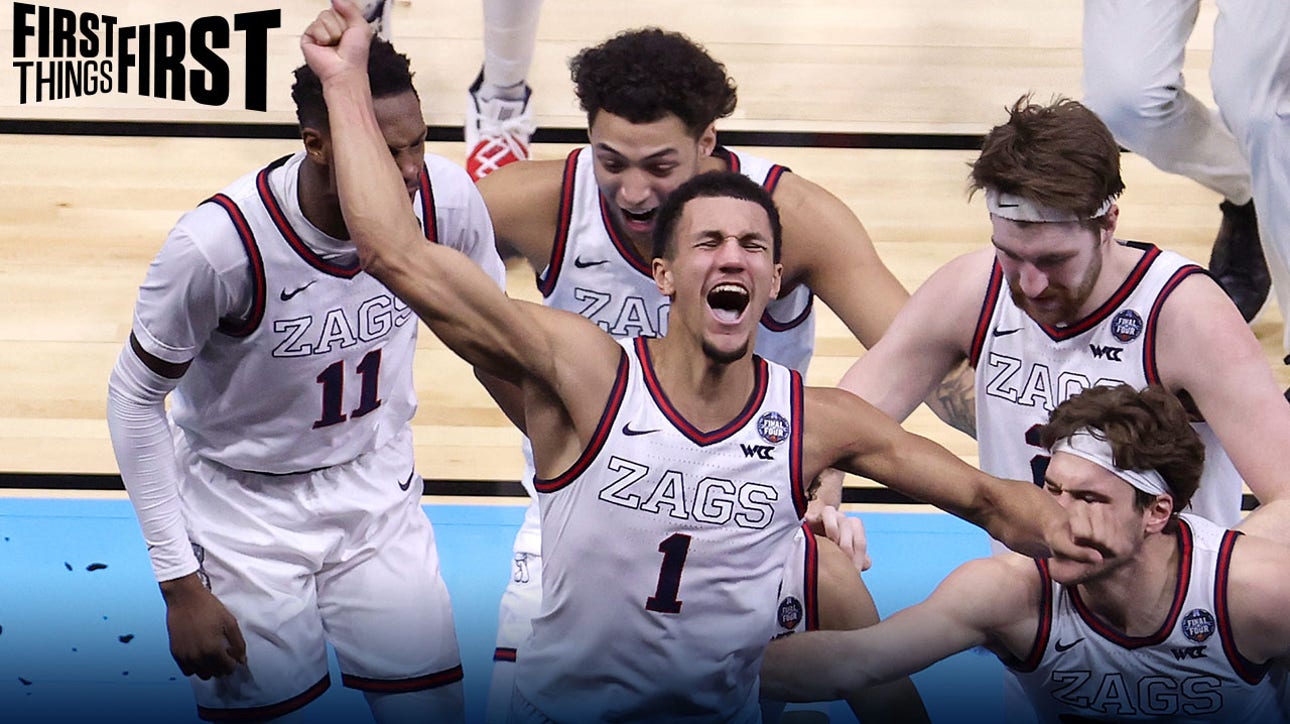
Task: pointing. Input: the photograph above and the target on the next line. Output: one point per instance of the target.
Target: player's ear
(708, 140)
(662, 269)
(1158, 513)
(317, 145)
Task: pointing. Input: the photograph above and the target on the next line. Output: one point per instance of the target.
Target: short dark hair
(642, 75)
(388, 71)
(1060, 155)
(1147, 429)
(714, 184)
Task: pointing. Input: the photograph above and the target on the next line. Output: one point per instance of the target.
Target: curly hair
(388, 71)
(642, 75)
(1060, 155)
(1147, 429)
(713, 184)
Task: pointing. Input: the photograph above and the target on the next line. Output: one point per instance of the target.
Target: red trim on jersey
(1250, 672)
(694, 434)
(564, 220)
(625, 248)
(429, 218)
(730, 158)
(1175, 609)
(775, 325)
(1044, 631)
(398, 686)
(1150, 364)
(773, 176)
(288, 233)
(1126, 288)
(795, 436)
(598, 437)
(811, 581)
(992, 291)
(270, 711)
(243, 328)
(502, 653)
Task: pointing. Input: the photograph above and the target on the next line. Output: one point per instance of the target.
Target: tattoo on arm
(954, 400)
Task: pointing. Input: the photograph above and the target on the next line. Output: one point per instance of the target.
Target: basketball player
(652, 98)
(673, 470)
(1180, 621)
(1057, 304)
(284, 513)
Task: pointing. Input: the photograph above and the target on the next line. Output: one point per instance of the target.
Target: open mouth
(639, 217)
(728, 302)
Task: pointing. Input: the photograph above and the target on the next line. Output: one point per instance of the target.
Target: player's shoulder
(448, 179)
(533, 178)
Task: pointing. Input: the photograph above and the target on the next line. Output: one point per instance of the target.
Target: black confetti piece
(127, 638)
(125, 673)
(67, 565)
(96, 566)
(25, 682)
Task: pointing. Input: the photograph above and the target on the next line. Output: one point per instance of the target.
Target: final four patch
(790, 613)
(1198, 625)
(772, 427)
(1126, 326)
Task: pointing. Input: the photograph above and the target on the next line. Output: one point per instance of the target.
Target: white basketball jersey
(1025, 369)
(320, 370)
(663, 548)
(595, 271)
(1081, 669)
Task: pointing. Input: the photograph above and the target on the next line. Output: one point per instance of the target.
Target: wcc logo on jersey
(60, 53)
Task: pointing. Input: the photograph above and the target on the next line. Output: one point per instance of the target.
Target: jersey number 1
(674, 549)
(332, 380)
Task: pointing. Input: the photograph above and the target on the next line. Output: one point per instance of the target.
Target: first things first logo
(61, 53)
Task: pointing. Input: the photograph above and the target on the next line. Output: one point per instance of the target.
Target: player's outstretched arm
(523, 200)
(850, 434)
(969, 608)
(1258, 587)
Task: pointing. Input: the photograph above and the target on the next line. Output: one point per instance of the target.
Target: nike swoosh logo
(1004, 332)
(286, 296)
(584, 264)
(407, 483)
(1066, 647)
(627, 430)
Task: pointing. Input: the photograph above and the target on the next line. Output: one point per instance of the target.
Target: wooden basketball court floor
(88, 191)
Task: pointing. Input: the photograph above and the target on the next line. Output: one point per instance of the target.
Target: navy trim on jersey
(502, 653)
(730, 158)
(1126, 288)
(773, 176)
(1175, 609)
(288, 233)
(775, 325)
(684, 426)
(1250, 672)
(811, 581)
(1150, 362)
(546, 284)
(625, 248)
(598, 437)
(1044, 630)
(243, 328)
(992, 291)
(269, 711)
(398, 686)
(795, 443)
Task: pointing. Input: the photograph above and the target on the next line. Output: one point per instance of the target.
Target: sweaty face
(1051, 268)
(720, 275)
(1101, 505)
(404, 128)
(637, 165)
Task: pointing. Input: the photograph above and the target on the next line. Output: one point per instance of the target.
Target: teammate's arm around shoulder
(524, 201)
(930, 337)
(980, 602)
(1258, 589)
(827, 248)
(1205, 347)
(845, 432)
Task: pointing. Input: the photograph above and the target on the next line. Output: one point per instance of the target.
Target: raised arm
(1206, 349)
(988, 601)
(849, 434)
(926, 345)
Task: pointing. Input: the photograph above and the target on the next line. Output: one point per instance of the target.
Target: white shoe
(377, 13)
(498, 131)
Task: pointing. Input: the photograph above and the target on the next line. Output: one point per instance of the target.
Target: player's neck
(318, 203)
(1136, 598)
(707, 392)
(1118, 261)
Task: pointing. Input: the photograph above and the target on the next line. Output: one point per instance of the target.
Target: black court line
(783, 139)
(449, 488)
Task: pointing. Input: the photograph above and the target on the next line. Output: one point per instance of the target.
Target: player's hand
(846, 531)
(337, 41)
(205, 639)
(1072, 534)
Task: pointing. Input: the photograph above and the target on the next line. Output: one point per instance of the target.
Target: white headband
(1019, 208)
(1085, 443)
